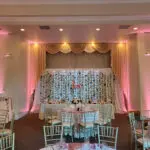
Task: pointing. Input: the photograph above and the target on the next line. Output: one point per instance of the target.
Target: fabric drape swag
(75, 47)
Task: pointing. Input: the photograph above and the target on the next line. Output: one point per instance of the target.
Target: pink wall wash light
(1, 75)
(1, 79)
(32, 62)
(3, 33)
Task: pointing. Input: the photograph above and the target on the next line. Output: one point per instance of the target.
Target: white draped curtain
(119, 66)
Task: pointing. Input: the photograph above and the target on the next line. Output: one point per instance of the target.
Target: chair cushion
(52, 117)
(101, 122)
(87, 125)
(5, 132)
(55, 121)
(67, 124)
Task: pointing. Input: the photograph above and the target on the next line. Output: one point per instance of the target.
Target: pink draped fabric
(35, 66)
(2, 73)
(120, 69)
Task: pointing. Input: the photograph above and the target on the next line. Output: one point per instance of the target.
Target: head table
(58, 107)
(78, 146)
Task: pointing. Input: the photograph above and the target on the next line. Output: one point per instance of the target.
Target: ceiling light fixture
(135, 28)
(7, 55)
(22, 29)
(97, 29)
(61, 29)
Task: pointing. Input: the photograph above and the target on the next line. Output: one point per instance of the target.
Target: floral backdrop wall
(83, 84)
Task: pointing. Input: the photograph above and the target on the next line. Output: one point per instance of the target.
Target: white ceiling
(71, 33)
(78, 18)
(33, 12)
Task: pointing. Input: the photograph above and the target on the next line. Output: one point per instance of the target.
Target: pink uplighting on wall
(3, 32)
(146, 92)
(125, 76)
(31, 74)
(30, 78)
(1, 75)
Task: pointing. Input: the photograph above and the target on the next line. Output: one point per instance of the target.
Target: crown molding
(75, 10)
(37, 2)
(74, 20)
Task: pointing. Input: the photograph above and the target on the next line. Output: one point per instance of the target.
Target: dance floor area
(29, 132)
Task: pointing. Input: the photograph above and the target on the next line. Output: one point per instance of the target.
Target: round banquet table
(78, 146)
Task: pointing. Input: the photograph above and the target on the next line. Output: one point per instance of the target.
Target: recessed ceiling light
(22, 29)
(97, 29)
(135, 28)
(61, 29)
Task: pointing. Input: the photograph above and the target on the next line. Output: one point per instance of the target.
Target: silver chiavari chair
(7, 131)
(3, 118)
(145, 139)
(52, 134)
(87, 120)
(7, 142)
(108, 135)
(67, 123)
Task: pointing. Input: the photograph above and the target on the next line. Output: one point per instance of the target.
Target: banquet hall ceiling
(78, 18)
(71, 33)
(31, 12)
(74, 33)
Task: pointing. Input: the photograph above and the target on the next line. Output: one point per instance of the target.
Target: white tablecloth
(79, 146)
(57, 107)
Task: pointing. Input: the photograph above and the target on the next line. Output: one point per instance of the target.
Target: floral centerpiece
(75, 101)
(78, 104)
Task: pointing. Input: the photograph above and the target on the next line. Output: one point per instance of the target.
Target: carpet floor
(29, 132)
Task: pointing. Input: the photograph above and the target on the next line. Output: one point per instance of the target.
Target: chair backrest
(133, 124)
(105, 113)
(108, 135)
(3, 118)
(12, 122)
(7, 142)
(4, 102)
(87, 117)
(67, 117)
(49, 113)
(131, 119)
(145, 114)
(145, 117)
(52, 134)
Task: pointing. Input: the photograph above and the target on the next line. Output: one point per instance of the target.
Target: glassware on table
(62, 145)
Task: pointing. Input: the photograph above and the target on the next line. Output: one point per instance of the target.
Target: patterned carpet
(29, 133)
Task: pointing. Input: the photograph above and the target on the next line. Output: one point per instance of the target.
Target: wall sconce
(147, 53)
(7, 55)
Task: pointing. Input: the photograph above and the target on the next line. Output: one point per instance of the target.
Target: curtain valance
(76, 48)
